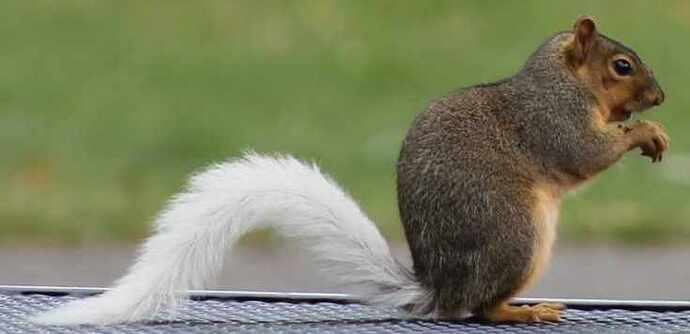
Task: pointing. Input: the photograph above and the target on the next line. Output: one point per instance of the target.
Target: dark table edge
(302, 297)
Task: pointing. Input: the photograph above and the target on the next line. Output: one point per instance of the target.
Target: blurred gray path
(584, 271)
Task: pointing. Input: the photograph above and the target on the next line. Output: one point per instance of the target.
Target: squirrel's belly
(545, 219)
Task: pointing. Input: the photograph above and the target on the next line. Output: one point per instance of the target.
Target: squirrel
(480, 178)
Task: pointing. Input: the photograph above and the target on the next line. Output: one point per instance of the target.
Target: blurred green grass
(107, 107)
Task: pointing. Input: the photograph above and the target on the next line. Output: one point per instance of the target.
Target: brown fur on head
(619, 80)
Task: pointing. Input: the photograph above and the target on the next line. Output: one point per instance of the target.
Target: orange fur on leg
(545, 219)
(535, 313)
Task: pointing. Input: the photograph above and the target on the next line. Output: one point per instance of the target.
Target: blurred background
(107, 107)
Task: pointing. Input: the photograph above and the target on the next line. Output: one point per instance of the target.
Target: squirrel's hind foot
(527, 313)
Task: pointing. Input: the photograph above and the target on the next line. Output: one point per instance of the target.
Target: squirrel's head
(615, 74)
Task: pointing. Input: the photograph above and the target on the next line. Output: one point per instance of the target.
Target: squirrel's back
(462, 179)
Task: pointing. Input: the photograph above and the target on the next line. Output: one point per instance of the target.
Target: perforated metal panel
(240, 313)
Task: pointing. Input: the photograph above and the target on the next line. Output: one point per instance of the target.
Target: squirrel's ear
(585, 31)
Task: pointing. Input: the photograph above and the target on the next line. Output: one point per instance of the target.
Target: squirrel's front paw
(651, 138)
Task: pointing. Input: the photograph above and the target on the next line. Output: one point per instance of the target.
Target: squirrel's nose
(655, 94)
(658, 97)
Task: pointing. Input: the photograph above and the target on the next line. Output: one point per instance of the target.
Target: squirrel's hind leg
(544, 216)
(505, 312)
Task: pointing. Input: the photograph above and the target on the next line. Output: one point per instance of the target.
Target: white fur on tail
(222, 204)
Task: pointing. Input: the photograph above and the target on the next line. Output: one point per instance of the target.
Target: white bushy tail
(222, 204)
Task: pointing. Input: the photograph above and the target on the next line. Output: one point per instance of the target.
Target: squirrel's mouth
(621, 114)
(626, 112)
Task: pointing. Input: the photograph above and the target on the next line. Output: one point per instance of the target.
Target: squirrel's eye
(622, 67)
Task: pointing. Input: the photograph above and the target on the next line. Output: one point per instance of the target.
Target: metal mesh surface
(254, 316)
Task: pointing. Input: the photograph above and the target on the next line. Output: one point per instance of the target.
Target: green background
(107, 106)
